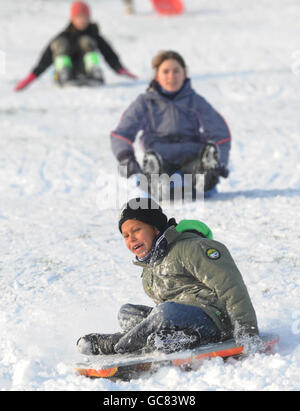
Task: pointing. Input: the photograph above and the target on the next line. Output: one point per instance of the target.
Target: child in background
(75, 52)
(181, 131)
(129, 9)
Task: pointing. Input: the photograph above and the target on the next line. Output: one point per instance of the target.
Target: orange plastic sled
(168, 7)
(118, 366)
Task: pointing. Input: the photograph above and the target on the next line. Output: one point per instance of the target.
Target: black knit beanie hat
(145, 210)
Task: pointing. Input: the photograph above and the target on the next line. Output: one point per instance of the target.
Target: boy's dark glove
(128, 165)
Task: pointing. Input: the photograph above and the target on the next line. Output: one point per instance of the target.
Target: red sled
(168, 7)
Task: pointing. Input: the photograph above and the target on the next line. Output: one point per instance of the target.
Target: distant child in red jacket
(75, 52)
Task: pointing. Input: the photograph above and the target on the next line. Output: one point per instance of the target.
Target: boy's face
(81, 21)
(138, 236)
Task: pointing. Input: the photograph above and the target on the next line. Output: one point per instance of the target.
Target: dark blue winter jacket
(175, 126)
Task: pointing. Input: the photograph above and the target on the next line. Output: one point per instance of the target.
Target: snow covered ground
(64, 270)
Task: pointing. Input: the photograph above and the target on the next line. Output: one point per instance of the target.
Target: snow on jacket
(176, 127)
(201, 272)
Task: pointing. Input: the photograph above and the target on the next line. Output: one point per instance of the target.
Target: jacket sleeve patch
(213, 254)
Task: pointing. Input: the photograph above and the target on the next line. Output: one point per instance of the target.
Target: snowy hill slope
(64, 270)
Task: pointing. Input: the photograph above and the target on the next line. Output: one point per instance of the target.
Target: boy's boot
(63, 69)
(95, 344)
(92, 67)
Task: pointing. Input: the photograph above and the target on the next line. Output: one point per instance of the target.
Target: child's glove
(211, 179)
(128, 165)
(124, 72)
(25, 82)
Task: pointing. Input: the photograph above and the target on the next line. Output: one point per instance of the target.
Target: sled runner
(128, 366)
